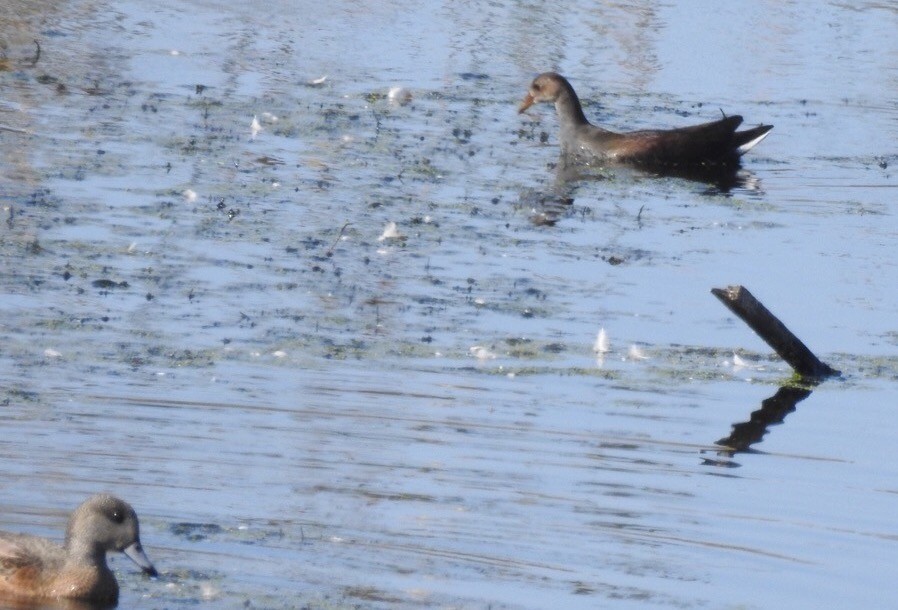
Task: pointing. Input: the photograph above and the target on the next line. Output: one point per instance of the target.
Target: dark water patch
(194, 532)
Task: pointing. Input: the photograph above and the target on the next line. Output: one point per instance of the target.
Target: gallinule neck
(716, 143)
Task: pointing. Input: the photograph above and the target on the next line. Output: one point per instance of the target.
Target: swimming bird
(712, 144)
(34, 567)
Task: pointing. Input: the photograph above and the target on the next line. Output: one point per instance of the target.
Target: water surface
(211, 321)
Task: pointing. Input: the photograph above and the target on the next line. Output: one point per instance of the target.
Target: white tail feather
(751, 143)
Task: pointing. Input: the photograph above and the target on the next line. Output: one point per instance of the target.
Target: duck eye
(117, 516)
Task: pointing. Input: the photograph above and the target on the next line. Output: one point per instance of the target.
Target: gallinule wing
(716, 144)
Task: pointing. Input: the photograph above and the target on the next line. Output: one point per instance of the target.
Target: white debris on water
(254, 128)
(602, 344)
(636, 353)
(391, 231)
(399, 95)
(481, 353)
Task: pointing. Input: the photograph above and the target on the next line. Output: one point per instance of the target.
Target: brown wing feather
(711, 142)
(22, 550)
(13, 556)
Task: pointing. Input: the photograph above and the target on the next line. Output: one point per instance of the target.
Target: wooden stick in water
(742, 303)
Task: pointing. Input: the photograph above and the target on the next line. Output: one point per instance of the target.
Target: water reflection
(773, 411)
(721, 178)
(548, 205)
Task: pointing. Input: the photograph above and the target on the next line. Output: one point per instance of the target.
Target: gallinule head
(710, 144)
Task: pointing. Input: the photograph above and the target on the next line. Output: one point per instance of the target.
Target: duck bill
(135, 553)
(527, 103)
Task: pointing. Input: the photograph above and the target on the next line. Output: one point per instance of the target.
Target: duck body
(716, 143)
(36, 568)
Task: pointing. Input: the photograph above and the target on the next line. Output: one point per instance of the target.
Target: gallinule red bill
(710, 144)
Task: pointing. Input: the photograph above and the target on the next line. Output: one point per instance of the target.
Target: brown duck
(34, 568)
(710, 144)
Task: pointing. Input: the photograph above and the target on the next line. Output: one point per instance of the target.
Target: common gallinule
(33, 567)
(713, 144)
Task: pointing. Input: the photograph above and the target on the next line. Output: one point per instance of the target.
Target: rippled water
(212, 321)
